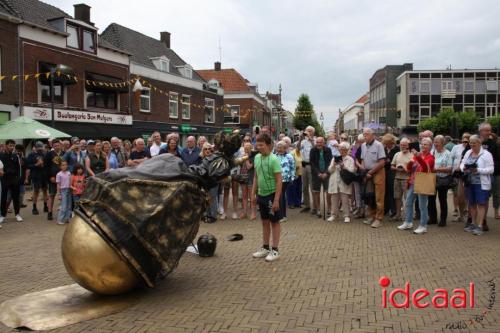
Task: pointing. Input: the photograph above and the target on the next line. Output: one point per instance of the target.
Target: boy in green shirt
(266, 191)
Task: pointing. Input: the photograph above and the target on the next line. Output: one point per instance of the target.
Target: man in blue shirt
(191, 154)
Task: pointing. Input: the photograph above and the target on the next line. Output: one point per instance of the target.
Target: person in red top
(421, 162)
(77, 182)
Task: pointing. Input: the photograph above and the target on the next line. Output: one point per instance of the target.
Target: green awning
(27, 128)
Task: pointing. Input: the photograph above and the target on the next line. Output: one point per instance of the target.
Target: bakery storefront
(85, 124)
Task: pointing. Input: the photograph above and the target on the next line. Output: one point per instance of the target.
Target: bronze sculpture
(132, 225)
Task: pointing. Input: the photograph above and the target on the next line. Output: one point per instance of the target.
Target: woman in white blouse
(337, 187)
(443, 167)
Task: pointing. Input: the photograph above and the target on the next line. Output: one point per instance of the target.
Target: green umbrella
(27, 128)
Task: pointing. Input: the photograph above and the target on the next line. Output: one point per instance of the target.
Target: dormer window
(72, 40)
(161, 63)
(164, 64)
(186, 71)
(81, 38)
(213, 83)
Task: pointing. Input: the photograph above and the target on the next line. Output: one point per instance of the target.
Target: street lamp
(59, 69)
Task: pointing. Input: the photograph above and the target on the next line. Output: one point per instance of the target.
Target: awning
(95, 82)
(64, 75)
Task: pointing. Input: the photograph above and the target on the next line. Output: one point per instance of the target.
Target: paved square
(325, 281)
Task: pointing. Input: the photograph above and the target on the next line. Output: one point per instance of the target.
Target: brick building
(9, 92)
(173, 96)
(88, 89)
(244, 107)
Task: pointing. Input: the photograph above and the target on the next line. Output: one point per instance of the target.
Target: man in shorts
(267, 184)
(38, 176)
(52, 162)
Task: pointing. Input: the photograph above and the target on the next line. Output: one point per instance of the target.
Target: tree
(447, 120)
(305, 116)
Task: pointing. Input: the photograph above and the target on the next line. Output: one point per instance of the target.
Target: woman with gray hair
(359, 212)
(443, 166)
(421, 162)
(287, 174)
(477, 166)
(337, 186)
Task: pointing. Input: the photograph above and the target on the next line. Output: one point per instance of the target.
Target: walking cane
(324, 205)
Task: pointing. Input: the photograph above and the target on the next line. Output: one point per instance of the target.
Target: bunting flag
(122, 84)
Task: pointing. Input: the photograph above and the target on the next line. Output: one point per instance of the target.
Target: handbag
(347, 176)
(241, 178)
(425, 183)
(444, 182)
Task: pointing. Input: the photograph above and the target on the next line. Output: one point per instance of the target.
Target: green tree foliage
(495, 123)
(304, 113)
(305, 116)
(446, 119)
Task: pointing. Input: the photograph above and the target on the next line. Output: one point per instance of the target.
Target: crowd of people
(375, 178)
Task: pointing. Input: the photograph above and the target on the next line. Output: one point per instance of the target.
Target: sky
(326, 49)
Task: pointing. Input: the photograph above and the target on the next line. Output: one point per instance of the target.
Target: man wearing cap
(53, 161)
(36, 165)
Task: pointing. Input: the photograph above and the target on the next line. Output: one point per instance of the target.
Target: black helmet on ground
(206, 245)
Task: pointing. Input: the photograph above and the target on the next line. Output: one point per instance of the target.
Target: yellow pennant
(26, 77)
(37, 75)
(47, 75)
(2, 77)
(14, 77)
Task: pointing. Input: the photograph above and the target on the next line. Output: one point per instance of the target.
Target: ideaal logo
(459, 298)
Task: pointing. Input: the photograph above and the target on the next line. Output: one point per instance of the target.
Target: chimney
(217, 65)
(82, 13)
(165, 38)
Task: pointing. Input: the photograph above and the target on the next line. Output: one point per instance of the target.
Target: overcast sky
(327, 49)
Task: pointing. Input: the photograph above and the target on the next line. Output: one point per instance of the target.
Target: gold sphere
(93, 263)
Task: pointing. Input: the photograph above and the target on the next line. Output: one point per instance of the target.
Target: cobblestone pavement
(326, 280)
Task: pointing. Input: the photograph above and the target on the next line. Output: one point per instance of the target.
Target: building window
(80, 38)
(232, 114)
(491, 85)
(209, 110)
(164, 65)
(58, 94)
(186, 106)
(88, 41)
(73, 40)
(469, 86)
(145, 100)
(188, 72)
(425, 87)
(491, 111)
(103, 99)
(425, 112)
(446, 85)
(173, 105)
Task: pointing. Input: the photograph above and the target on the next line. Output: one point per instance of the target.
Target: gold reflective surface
(93, 263)
(61, 306)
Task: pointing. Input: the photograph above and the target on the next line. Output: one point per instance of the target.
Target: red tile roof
(229, 79)
(363, 99)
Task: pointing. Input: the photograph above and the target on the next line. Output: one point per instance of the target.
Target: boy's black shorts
(265, 203)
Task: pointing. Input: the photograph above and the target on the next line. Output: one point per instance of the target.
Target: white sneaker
(347, 219)
(405, 226)
(61, 222)
(283, 220)
(223, 216)
(420, 230)
(261, 253)
(368, 221)
(235, 216)
(19, 218)
(2, 218)
(272, 256)
(331, 218)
